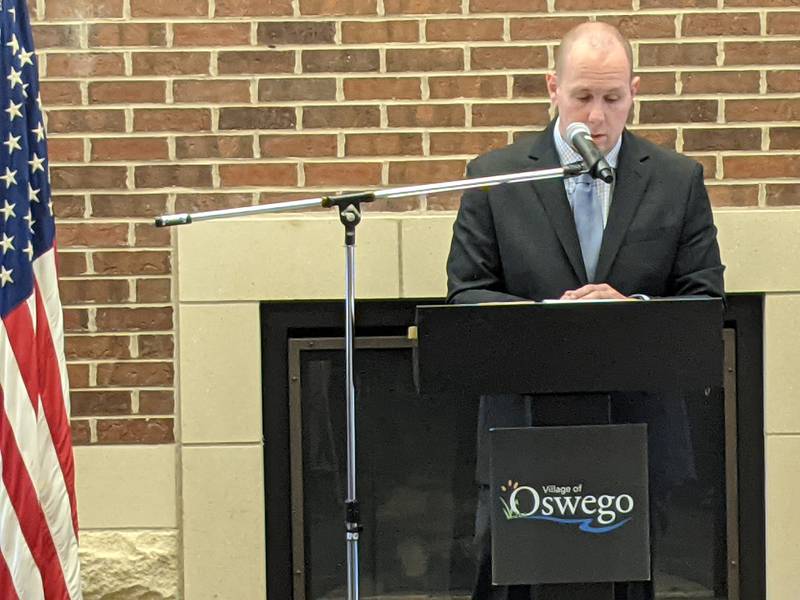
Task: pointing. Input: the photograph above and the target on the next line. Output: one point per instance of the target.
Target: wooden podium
(574, 354)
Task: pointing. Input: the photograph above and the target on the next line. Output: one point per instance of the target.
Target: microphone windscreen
(577, 128)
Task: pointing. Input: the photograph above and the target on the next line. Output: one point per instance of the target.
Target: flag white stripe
(55, 504)
(55, 500)
(24, 572)
(44, 269)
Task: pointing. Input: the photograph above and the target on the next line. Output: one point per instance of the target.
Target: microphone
(580, 138)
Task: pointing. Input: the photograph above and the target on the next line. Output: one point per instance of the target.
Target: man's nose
(596, 114)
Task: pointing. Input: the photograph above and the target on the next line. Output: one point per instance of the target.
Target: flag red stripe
(7, 590)
(53, 402)
(32, 521)
(19, 325)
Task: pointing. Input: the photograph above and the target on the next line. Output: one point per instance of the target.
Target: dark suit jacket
(518, 241)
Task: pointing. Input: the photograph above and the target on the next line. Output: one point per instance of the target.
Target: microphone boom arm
(344, 200)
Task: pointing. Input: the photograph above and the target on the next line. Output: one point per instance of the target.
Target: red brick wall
(158, 106)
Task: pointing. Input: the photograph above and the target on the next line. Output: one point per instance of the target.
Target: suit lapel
(633, 174)
(553, 197)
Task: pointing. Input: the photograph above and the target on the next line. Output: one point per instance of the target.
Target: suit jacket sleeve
(697, 269)
(474, 267)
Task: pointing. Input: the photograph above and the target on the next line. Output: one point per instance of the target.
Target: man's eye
(611, 99)
(584, 98)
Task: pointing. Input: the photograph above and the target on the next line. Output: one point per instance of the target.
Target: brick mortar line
(120, 389)
(377, 18)
(396, 158)
(92, 303)
(521, 128)
(227, 133)
(114, 334)
(111, 361)
(422, 44)
(123, 417)
(541, 71)
(526, 128)
(499, 72)
(647, 98)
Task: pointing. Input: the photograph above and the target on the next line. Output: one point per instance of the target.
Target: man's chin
(601, 141)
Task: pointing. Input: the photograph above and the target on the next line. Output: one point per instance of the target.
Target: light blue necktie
(588, 214)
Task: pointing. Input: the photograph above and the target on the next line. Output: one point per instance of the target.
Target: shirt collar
(568, 155)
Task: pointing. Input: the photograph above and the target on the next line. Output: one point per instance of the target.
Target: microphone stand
(349, 207)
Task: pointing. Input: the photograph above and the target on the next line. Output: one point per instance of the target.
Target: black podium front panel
(658, 345)
(570, 504)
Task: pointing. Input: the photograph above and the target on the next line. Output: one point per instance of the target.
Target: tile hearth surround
(208, 488)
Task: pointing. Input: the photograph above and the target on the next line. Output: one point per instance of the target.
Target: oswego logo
(567, 504)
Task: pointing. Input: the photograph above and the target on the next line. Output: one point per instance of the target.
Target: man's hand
(592, 291)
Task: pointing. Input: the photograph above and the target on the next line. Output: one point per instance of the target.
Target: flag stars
(29, 251)
(7, 243)
(25, 57)
(15, 78)
(33, 193)
(14, 43)
(10, 178)
(14, 110)
(39, 131)
(29, 218)
(8, 210)
(13, 12)
(36, 163)
(5, 276)
(13, 143)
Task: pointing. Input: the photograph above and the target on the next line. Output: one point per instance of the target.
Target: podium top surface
(565, 347)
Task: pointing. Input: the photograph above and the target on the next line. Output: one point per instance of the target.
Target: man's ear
(635, 85)
(552, 86)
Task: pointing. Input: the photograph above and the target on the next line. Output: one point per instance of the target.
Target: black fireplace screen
(415, 461)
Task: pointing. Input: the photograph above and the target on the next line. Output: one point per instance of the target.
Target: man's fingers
(581, 292)
(592, 291)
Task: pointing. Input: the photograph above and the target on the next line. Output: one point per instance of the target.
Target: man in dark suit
(651, 233)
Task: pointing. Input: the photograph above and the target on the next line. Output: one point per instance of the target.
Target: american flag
(38, 516)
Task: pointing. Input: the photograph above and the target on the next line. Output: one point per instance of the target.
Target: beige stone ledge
(300, 257)
(425, 245)
(783, 527)
(284, 258)
(782, 364)
(126, 487)
(220, 366)
(223, 522)
(135, 565)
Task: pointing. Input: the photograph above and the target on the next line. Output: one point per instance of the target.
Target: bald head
(593, 83)
(600, 38)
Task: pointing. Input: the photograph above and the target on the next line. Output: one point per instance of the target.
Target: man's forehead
(581, 87)
(602, 54)
(607, 71)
